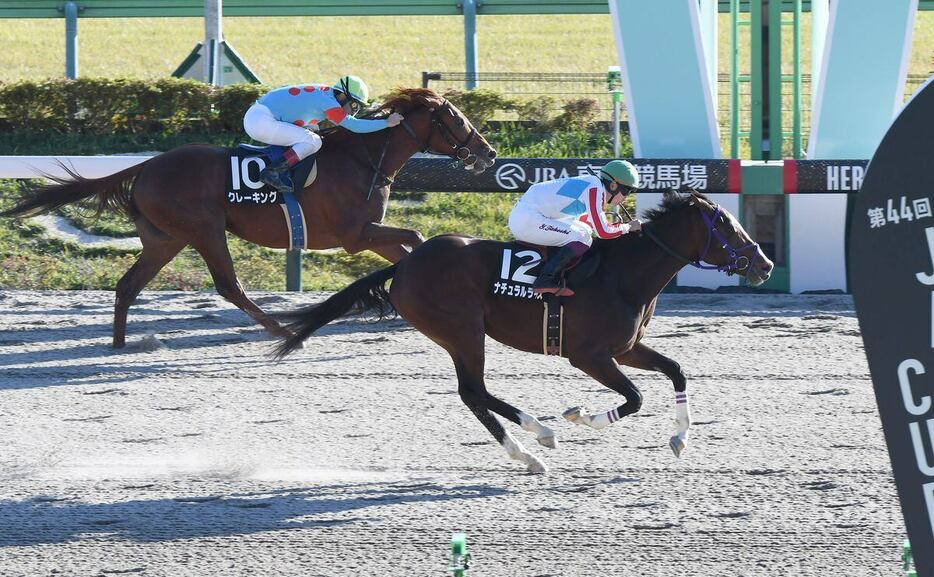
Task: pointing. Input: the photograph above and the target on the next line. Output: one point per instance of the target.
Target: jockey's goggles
(624, 189)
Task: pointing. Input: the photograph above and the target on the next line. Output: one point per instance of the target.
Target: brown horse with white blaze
(178, 199)
(443, 289)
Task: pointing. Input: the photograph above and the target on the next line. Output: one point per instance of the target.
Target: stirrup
(281, 181)
(562, 289)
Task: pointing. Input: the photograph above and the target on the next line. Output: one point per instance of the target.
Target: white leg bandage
(682, 415)
(601, 421)
(683, 422)
(543, 434)
(516, 451)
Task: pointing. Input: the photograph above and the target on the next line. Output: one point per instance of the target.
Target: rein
(737, 262)
(377, 168)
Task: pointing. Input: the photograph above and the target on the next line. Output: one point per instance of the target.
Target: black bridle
(459, 148)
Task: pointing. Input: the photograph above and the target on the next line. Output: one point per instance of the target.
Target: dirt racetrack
(190, 453)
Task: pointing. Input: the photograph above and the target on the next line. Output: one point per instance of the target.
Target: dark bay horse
(177, 199)
(444, 290)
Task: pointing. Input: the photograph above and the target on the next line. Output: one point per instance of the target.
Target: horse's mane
(672, 201)
(401, 100)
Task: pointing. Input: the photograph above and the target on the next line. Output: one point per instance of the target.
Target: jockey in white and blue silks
(289, 116)
(567, 212)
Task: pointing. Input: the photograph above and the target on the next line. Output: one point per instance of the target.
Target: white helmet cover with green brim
(622, 172)
(353, 87)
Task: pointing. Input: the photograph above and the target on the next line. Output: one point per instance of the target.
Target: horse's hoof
(677, 445)
(536, 466)
(573, 414)
(550, 442)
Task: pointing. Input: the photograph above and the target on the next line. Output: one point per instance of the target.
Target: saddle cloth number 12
(519, 275)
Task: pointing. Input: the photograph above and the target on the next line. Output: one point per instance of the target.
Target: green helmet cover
(353, 87)
(622, 172)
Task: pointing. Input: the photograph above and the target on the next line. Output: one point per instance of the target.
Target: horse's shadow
(50, 520)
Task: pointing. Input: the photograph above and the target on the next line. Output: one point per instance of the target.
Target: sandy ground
(190, 453)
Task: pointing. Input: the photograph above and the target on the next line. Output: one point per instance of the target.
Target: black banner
(516, 174)
(808, 176)
(892, 268)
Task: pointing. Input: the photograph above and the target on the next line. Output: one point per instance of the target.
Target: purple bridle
(737, 262)
(735, 258)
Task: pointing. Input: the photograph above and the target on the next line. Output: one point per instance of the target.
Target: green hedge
(123, 106)
(174, 106)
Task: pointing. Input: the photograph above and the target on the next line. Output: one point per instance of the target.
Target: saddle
(243, 185)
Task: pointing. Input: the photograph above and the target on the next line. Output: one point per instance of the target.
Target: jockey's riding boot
(278, 176)
(549, 280)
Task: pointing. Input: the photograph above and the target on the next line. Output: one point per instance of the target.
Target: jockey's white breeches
(261, 125)
(529, 225)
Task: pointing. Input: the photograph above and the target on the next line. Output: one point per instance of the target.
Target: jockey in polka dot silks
(567, 212)
(289, 116)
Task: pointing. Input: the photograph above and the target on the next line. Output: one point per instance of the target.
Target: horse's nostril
(492, 154)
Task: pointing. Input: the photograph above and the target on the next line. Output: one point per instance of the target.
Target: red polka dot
(325, 88)
(309, 89)
(312, 121)
(299, 122)
(294, 91)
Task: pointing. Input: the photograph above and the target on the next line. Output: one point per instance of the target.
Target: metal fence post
(614, 82)
(71, 40)
(293, 269)
(213, 36)
(470, 43)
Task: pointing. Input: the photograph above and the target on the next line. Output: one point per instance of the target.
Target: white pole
(820, 16)
(708, 27)
(213, 35)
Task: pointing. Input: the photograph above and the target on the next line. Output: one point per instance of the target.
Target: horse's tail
(112, 192)
(361, 295)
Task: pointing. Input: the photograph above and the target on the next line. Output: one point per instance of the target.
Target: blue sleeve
(361, 125)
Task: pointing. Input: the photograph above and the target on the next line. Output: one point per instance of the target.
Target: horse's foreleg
(607, 373)
(644, 357)
(389, 242)
(158, 250)
(217, 256)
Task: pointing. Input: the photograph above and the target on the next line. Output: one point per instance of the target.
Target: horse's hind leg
(643, 357)
(158, 250)
(216, 255)
(468, 362)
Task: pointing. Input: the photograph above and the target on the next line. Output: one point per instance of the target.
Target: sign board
(233, 69)
(892, 279)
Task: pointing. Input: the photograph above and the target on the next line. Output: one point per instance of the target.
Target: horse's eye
(460, 121)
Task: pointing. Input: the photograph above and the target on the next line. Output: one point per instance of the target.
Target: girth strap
(295, 219)
(552, 325)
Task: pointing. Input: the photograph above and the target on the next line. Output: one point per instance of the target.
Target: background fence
(562, 88)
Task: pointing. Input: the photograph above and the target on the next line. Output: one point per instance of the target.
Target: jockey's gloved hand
(635, 225)
(312, 127)
(394, 119)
